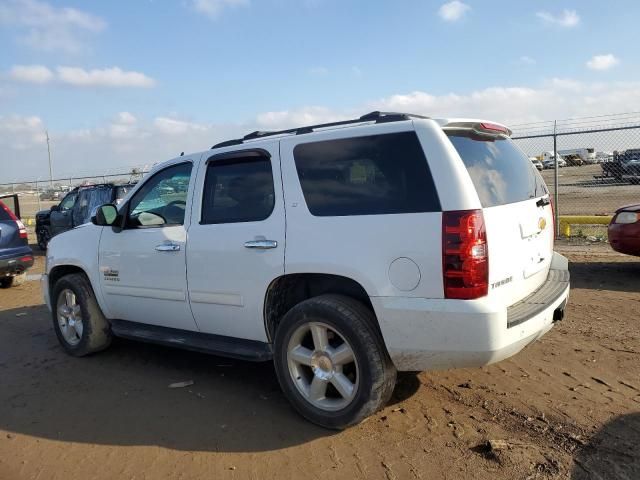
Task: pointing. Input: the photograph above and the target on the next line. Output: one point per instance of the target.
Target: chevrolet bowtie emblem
(542, 223)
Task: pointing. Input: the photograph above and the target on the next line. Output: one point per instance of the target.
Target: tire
(44, 235)
(95, 332)
(14, 281)
(371, 372)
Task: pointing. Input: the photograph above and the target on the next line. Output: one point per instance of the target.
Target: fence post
(38, 195)
(556, 210)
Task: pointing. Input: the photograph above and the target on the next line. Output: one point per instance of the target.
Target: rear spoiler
(480, 127)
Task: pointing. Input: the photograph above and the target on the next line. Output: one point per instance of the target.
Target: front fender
(78, 248)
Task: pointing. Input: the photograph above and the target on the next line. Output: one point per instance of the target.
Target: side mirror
(105, 215)
(55, 208)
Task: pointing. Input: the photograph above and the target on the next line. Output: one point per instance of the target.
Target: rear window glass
(373, 175)
(500, 171)
(4, 215)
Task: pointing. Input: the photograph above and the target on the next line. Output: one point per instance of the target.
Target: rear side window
(373, 175)
(500, 171)
(239, 190)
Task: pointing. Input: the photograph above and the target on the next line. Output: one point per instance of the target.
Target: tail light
(22, 229)
(465, 256)
(12, 216)
(553, 222)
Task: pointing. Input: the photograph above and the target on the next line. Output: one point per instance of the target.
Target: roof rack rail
(377, 116)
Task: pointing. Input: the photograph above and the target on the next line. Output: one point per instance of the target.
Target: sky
(130, 83)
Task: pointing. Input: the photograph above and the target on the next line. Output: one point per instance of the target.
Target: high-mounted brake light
(465, 256)
(494, 127)
(12, 216)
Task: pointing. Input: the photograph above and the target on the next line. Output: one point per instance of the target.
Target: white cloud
(213, 8)
(31, 73)
(567, 18)
(293, 118)
(107, 77)
(453, 11)
(603, 62)
(44, 27)
(172, 126)
(318, 71)
(19, 133)
(126, 118)
(526, 60)
(127, 140)
(80, 77)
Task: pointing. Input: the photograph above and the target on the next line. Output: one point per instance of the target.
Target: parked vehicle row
(623, 165)
(411, 244)
(76, 209)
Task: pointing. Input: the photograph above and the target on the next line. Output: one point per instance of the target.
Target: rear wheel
(78, 321)
(331, 361)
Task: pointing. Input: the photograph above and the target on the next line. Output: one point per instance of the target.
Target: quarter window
(372, 175)
(238, 190)
(162, 199)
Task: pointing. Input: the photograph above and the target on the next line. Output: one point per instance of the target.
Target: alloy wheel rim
(69, 317)
(323, 366)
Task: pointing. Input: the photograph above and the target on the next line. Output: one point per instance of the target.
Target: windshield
(500, 171)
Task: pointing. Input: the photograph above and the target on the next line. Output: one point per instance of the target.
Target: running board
(232, 347)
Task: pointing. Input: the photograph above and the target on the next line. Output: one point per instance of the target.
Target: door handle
(261, 244)
(167, 247)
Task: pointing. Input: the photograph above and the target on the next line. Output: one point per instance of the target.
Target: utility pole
(50, 166)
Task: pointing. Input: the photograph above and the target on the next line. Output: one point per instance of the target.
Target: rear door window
(500, 171)
(4, 212)
(372, 175)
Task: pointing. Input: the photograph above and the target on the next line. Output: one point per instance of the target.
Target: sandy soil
(567, 407)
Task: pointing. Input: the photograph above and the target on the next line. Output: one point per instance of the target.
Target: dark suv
(15, 254)
(75, 209)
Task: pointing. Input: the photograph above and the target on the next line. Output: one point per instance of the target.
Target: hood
(42, 213)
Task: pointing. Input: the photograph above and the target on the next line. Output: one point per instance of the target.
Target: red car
(624, 230)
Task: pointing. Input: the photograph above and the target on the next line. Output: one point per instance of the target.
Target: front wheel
(78, 321)
(331, 361)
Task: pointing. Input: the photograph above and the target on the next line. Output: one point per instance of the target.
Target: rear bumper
(429, 334)
(17, 263)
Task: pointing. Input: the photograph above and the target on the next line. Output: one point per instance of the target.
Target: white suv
(342, 251)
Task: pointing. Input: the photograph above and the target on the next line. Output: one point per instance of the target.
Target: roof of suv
(372, 117)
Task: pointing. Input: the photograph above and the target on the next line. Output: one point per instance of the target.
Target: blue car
(15, 254)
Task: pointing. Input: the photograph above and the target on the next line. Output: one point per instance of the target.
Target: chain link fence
(38, 195)
(591, 166)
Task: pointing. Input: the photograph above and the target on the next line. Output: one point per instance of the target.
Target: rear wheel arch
(287, 291)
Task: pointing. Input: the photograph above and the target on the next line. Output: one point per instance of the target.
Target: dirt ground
(566, 407)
